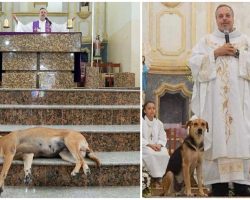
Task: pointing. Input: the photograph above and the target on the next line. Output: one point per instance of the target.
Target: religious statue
(145, 70)
(97, 46)
(84, 6)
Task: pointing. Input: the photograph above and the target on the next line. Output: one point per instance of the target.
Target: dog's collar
(190, 142)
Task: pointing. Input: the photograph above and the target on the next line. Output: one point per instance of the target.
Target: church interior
(170, 30)
(86, 79)
(89, 67)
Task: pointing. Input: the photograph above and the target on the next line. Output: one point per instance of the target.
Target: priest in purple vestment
(41, 25)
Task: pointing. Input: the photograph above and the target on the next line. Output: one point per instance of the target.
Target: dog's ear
(207, 127)
(188, 124)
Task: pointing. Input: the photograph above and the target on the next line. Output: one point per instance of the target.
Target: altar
(40, 60)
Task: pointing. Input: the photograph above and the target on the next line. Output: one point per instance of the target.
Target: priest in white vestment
(41, 25)
(221, 96)
(154, 152)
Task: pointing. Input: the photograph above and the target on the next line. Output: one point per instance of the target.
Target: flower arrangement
(146, 180)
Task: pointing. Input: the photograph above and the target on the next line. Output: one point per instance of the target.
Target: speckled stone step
(69, 114)
(103, 96)
(117, 169)
(100, 137)
(71, 192)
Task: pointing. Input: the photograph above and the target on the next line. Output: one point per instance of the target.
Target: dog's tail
(90, 154)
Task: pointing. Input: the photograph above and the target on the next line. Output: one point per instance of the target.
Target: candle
(70, 24)
(84, 8)
(6, 23)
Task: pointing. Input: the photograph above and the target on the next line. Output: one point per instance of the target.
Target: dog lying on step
(44, 142)
(185, 160)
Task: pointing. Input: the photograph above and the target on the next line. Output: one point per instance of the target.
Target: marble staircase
(108, 118)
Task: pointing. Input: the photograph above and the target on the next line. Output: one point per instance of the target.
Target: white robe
(221, 95)
(29, 27)
(155, 161)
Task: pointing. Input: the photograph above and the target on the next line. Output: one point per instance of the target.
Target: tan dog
(44, 142)
(185, 160)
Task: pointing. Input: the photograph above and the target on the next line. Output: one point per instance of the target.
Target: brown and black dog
(44, 142)
(185, 160)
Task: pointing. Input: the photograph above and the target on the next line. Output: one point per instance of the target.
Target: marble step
(69, 114)
(71, 192)
(117, 169)
(113, 96)
(100, 137)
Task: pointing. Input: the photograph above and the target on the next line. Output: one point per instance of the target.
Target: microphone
(46, 18)
(226, 32)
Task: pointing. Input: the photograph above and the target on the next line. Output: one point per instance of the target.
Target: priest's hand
(15, 18)
(225, 50)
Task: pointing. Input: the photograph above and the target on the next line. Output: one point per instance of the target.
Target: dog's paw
(76, 175)
(189, 194)
(87, 171)
(27, 179)
(73, 173)
(202, 194)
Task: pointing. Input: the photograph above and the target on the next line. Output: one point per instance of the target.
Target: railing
(108, 69)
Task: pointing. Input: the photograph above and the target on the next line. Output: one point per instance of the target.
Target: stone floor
(71, 192)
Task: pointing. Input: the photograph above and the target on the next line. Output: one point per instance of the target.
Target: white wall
(135, 43)
(167, 49)
(123, 29)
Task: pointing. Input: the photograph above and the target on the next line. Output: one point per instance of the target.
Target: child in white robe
(154, 152)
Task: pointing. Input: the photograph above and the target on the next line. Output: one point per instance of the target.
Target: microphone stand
(226, 32)
(46, 18)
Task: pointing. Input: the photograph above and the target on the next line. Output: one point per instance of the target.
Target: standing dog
(44, 142)
(185, 160)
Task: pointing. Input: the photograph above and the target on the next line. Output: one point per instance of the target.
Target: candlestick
(6, 23)
(70, 24)
(84, 9)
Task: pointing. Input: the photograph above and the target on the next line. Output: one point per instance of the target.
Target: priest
(41, 25)
(220, 65)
